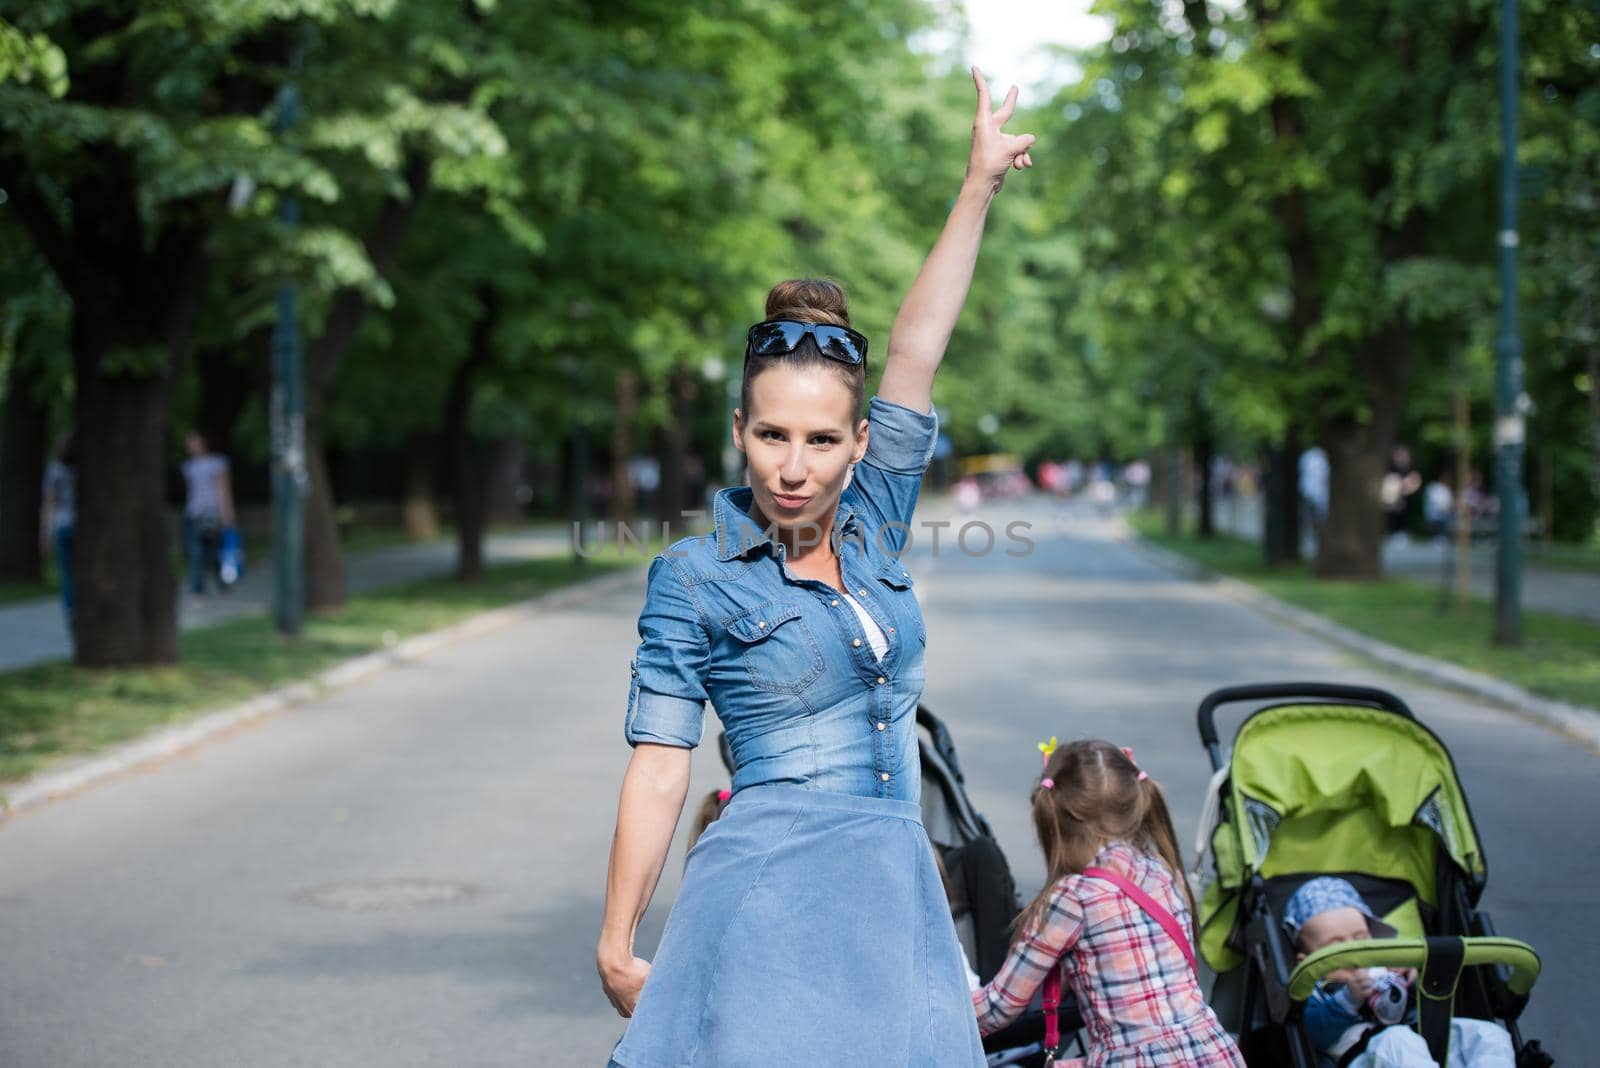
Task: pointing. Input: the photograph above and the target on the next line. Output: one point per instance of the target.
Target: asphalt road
(410, 871)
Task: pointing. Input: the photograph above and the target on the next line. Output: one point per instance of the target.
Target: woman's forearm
(653, 791)
(933, 304)
(929, 312)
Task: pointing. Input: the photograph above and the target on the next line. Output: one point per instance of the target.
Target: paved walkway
(1544, 589)
(34, 631)
(408, 872)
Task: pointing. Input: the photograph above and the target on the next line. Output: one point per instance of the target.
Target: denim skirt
(811, 929)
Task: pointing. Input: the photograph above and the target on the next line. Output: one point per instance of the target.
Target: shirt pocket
(780, 652)
(902, 596)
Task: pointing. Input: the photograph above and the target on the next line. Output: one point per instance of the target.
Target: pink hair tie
(724, 795)
(1048, 784)
(1127, 751)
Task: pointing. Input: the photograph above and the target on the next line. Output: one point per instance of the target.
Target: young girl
(1136, 988)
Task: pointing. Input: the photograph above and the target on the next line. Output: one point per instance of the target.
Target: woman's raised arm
(929, 312)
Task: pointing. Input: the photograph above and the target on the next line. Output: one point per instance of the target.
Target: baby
(1355, 1004)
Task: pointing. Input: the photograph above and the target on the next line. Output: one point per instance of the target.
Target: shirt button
(891, 630)
(882, 725)
(884, 776)
(861, 593)
(834, 603)
(882, 680)
(761, 623)
(856, 643)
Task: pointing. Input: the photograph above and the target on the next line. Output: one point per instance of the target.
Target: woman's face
(800, 438)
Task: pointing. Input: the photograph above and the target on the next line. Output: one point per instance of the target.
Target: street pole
(1509, 401)
(287, 417)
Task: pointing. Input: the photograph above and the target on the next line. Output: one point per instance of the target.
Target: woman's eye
(825, 441)
(771, 435)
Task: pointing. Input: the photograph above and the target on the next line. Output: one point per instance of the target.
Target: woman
(811, 926)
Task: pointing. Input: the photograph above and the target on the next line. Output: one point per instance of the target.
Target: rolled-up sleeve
(888, 480)
(667, 696)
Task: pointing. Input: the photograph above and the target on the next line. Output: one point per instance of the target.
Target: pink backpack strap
(1052, 1005)
(1168, 923)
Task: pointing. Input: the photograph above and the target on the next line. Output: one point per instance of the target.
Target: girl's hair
(808, 300)
(706, 815)
(1097, 797)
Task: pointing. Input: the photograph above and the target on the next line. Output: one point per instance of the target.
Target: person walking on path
(58, 515)
(207, 510)
(811, 926)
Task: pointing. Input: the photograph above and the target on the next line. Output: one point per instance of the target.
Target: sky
(1005, 34)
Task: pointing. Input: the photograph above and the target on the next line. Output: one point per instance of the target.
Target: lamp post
(287, 415)
(1510, 404)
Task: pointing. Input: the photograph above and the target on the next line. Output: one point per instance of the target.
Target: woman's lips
(790, 502)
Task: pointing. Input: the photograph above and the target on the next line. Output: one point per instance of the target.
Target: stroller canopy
(1331, 788)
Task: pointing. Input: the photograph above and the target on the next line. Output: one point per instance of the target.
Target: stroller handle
(1518, 958)
(1368, 696)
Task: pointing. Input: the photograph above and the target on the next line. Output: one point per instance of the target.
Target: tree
(119, 176)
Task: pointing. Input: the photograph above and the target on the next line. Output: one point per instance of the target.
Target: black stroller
(983, 896)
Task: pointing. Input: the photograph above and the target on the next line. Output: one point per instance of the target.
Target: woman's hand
(995, 152)
(623, 980)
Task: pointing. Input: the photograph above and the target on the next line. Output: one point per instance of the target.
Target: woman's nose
(794, 466)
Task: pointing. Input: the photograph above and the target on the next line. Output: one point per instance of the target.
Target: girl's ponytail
(706, 815)
(1156, 827)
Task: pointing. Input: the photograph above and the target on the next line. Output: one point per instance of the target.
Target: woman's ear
(738, 429)
(860, 449)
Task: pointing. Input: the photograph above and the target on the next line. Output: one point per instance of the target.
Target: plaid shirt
(1141, 1002)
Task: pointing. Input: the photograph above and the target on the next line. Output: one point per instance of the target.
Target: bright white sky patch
(1006, 35)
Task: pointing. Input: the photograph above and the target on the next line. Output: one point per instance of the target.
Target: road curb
(168, 742)
(1576, 721)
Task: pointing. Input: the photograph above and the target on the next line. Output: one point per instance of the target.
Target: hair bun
(808, 300)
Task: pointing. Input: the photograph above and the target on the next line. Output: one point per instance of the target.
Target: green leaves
(31, 59)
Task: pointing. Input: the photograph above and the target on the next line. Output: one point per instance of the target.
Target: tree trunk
(1591, 357)
(1205, 451)
(458, 433)
(421, 508)
(125, 600)
(673, 497)
(1351, 546)
(1280, 535)
(324, 564)
(622, 445)
(1172, 460)
(24, 433)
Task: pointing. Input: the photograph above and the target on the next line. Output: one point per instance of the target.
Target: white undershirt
(875, 636)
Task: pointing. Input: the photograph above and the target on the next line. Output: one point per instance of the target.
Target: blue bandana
(1324, 895)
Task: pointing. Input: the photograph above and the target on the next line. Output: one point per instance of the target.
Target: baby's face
(1336, 925)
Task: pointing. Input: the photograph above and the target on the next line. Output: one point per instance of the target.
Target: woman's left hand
(995, 152)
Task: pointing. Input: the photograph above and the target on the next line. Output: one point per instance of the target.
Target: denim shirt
(785, 660)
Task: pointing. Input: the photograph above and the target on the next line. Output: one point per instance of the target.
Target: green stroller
(1342, 780)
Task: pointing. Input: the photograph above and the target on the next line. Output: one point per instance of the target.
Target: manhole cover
(388, 894)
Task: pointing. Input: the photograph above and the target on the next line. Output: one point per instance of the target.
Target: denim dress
(811, 927)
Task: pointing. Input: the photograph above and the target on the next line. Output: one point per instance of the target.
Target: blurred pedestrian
(1314, 492)
(1400, 484)
(207, 511)
(1438, 506)
(58, 513)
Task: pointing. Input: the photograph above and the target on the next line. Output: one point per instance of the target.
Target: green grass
(1559, 656)
(1562, 557)
(52, 711)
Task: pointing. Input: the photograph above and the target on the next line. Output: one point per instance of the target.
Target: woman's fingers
(983, 92)
(1009, 105)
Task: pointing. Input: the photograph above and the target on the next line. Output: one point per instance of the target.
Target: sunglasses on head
(777, 336)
